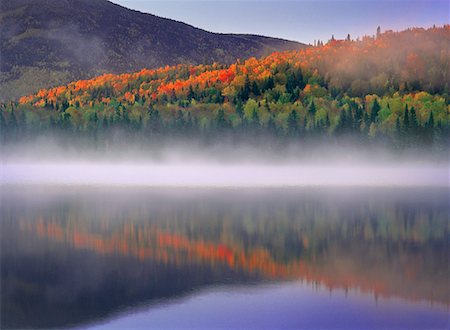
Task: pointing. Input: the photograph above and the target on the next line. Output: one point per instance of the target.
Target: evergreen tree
(398, 127)
(105, 123)
(271, 127)
(430, 122)
(2, 126)
(255, 89)
(66, 121)
(374, 111)
(342, 125)
(154, 123)
(12, 122)
(428, 133)
(413, 120)
(312, 108)
(269, 83)
(406, 119)
(125, 118)
(398, 132)
(290, 83)
(221, 122)
(327, 121)
(240, 109)
(292, 122)
(94, 121)
(117, 115)
(246, 89)
(191, 93)
(255, 119)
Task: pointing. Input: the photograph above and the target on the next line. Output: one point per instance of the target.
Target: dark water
(224, 258)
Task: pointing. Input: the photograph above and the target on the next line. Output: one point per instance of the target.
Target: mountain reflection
(74, 256)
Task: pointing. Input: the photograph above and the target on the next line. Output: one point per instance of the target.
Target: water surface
(224, 258)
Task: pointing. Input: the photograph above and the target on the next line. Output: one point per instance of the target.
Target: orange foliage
(177, 80)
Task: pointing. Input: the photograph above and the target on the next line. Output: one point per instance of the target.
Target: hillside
(45, 43)
(339, 89)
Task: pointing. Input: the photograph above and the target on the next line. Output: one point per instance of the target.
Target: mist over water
(203, 174)
(225, 165)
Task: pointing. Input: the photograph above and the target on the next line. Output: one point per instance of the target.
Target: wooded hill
(392, 87)
(46, 43)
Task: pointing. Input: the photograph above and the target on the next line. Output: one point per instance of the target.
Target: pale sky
(301, 20)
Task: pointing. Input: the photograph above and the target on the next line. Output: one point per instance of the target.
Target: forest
(389, 89)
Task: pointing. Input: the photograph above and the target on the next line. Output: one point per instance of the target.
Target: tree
(271, 127)
(105, 123)
(154, 123)
(125, 118)
(430, 121)
(255, 118)
(292, 122)
(344, 123)
(191, 93)
(255, 89)
(429, 130)
(251, 106)
(269, 83)
(398, 126)
(406, 118)
(117, 115)
(239, 109)
(413, 120)
(12, 122)
(180, 123)
(66, 121)
(312, 108)
(2, 126)
(220, 119)
(290, 83)
(245, 93)
(374, 111)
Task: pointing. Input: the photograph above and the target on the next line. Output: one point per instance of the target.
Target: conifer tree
(406, 119)
(221, 123)
(292, 122)
(312, 108)
(374, 111)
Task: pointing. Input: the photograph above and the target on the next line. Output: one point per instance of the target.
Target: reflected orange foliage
(151, 243)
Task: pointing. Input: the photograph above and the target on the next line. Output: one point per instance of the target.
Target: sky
(300, 20)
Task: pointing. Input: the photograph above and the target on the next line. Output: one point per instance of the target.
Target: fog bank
(217, 175)
(184, 163)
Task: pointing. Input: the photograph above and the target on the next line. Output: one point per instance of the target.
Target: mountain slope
(338, 90)
(50, 42)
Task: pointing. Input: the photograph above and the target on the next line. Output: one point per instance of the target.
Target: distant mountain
(51, 42)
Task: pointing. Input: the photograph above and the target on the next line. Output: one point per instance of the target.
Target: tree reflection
(91, 252)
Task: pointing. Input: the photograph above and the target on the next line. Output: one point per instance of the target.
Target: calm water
(224, 258)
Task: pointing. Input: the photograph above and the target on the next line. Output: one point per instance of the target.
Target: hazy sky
(301, 20)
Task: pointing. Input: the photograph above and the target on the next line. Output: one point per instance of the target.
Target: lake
(285, 258)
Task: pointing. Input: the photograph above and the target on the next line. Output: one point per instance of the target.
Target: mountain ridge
(46, 43)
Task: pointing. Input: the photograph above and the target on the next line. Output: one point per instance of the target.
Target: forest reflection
(72, 256)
